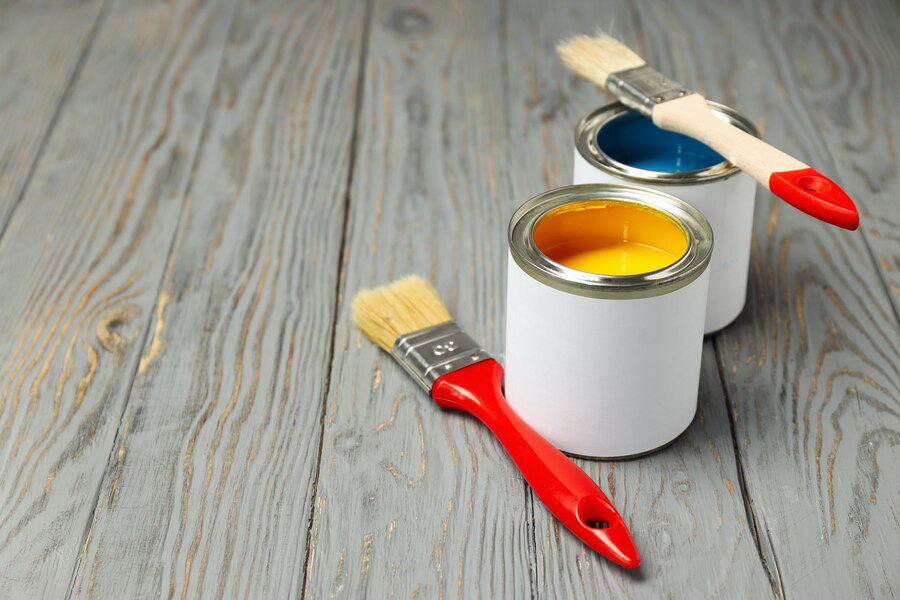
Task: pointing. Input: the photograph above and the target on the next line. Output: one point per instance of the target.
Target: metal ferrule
(432, 352)
(642, 88)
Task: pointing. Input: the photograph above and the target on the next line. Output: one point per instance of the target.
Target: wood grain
(193, 191)
(209, 491)
(683, 505)
(82, 259)
(842, 62)
(413, 501)
(811, 367)
(36, 71)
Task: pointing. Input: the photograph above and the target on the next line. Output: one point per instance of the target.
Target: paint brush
(408, 319)
(610, 64)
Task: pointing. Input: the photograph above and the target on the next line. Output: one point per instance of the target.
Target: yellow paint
(610, 237)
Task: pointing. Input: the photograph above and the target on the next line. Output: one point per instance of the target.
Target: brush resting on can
(408, 319)
(612, 65)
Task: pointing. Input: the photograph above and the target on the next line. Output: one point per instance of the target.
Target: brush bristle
(406, 305)
(596, 57)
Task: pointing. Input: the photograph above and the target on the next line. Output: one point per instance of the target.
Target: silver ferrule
(642, 88)
(429, 353)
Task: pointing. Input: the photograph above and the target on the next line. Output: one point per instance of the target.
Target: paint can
(614, 144)
(605, 366)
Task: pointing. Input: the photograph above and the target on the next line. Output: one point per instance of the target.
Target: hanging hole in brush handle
(813, 193)
(598, 520)
(596, 512)
(567, 491)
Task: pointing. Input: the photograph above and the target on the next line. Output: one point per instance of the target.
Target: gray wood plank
(811, 367)
(843, 64)
(207, 487)
(209, 491)
(684, 504)
(41, 45)
(413, 501)
(82, 259)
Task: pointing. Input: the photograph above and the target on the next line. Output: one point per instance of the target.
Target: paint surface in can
(608, 237)
(634, 140)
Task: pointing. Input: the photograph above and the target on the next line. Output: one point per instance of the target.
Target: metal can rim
(586, 144)
(663, 281)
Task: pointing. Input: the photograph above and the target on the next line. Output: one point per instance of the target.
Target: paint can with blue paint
(614, 144)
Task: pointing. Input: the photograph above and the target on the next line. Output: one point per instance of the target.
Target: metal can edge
(586, 145)
(677, 275)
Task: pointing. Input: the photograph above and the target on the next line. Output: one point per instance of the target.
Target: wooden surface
(191, 192)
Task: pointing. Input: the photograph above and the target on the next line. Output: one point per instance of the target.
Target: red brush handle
(793, 181)
(816, 195)
(566, 490)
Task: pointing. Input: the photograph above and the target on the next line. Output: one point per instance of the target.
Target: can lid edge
(585, 145)
(676, 276)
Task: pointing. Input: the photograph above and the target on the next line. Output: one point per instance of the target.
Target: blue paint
(634, 140)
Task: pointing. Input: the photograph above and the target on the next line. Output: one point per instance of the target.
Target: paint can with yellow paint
(606, 300)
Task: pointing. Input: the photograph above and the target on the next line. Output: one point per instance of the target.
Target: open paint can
(614, 144)
(606, 299)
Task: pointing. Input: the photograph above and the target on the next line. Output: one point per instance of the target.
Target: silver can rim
(655, 283)
(586, 144)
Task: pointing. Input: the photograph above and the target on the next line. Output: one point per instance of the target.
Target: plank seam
(775, 564)
(503, 43)
(342, 257)
(530, 528)
(204, 131)
(99, 20)
(775, 580)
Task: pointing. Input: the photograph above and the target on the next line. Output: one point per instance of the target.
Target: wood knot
(348, 443)
(547, 105)
(409, 21)
(114, 322)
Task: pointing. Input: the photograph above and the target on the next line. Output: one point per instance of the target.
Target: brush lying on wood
(608, 63)
(408, 319)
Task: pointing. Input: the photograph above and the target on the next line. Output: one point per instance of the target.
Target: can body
(724, 194)
(600, 377)
(603, 374)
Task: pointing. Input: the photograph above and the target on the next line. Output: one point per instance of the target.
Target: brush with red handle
(408, 319)
(608, 63)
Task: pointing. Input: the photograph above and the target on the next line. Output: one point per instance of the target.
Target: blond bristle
(406, 305)
(596, 57)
